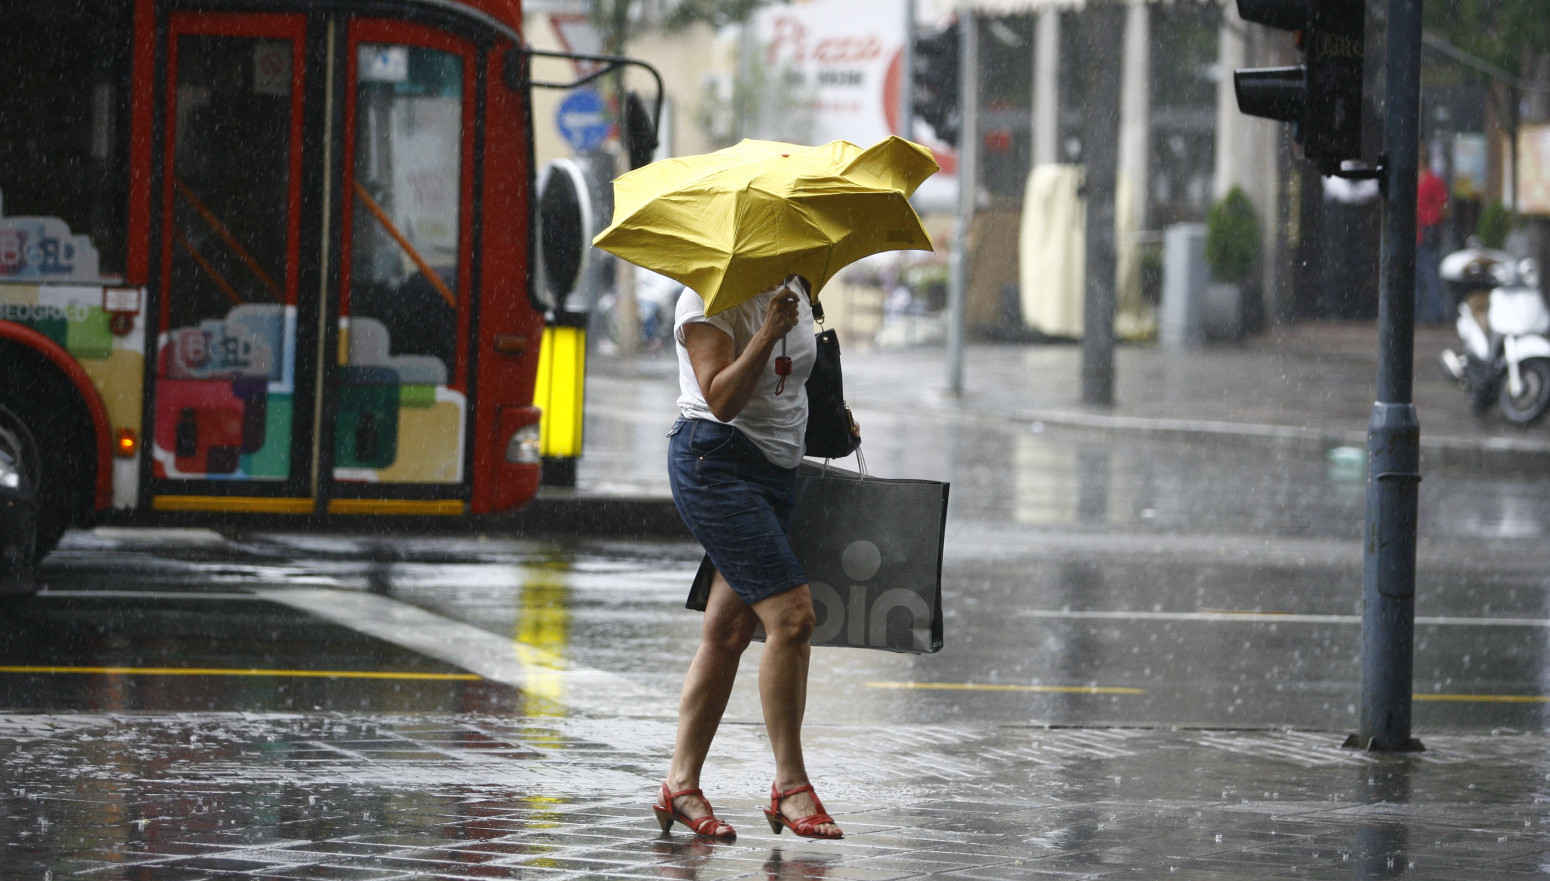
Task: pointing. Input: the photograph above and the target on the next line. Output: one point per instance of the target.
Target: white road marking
(478, 651)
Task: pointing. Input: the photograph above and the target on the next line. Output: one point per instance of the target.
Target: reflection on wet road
(319, 705)
(1096, 578)
(1094, 581)
(139, 652)
(295, 796)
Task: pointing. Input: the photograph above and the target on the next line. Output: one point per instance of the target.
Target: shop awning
(1025, 7)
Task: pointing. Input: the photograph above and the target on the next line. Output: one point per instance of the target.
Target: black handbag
(831, 432)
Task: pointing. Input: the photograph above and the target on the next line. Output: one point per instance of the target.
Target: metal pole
(1103, 36)
(1393, 433)
(968, 174)
(907, 78)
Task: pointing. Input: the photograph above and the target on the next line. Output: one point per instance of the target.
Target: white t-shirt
(775, 423)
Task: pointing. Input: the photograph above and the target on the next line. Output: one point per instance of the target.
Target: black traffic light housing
(934, 76)
(1322, 97)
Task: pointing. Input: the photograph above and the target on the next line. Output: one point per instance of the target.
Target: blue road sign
(583, 120)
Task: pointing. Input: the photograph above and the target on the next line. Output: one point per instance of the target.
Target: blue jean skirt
(737, 504)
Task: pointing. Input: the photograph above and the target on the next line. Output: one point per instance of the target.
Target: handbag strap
(860, 459)
(860, 464)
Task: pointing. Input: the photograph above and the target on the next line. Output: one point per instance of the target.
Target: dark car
(18, 525)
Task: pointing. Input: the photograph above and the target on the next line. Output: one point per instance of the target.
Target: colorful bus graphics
(43, 249)
(397, 420)
(224, 404)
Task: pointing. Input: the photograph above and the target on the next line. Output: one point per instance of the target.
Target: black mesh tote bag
(872, 551)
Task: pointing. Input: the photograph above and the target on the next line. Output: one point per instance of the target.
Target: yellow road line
(985, 686)
(1484, 698)
(223, 671)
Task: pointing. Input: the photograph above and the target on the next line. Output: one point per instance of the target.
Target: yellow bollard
(560, 393)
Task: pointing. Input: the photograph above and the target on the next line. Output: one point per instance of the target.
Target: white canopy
(1024, 7)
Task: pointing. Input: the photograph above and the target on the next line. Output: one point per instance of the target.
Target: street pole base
(1366, 744)
(558, 471)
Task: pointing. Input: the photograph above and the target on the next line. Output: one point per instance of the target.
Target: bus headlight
(522, 448)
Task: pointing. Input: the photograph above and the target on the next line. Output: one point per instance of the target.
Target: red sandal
(802, 826)
(708, 825)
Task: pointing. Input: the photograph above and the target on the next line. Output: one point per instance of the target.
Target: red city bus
(268, 257)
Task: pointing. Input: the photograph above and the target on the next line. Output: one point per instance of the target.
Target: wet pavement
(1151, 660)
(145, 651)
(1303, 390)
(384, 796)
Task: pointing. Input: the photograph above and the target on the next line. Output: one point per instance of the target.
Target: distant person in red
(1430, 209)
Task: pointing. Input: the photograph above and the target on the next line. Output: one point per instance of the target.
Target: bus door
(318, 266)
(232, 409)
(397, 400)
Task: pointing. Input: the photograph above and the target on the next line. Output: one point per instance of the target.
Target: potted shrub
(1496, 224)
(1232, 254)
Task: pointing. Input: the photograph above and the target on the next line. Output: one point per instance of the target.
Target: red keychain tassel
(782, 367)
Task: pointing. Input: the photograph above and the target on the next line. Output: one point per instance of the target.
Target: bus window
(407, 194)
(64, 141)
(400, 402)
(232, 173)
(225, 393)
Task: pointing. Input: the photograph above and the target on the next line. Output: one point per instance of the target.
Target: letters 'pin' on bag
(872, 551)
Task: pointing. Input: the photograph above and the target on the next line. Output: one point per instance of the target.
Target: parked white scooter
(1502, 324)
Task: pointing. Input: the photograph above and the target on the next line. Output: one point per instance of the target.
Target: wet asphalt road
(160, 652)
(187, 705)
(1088, 581)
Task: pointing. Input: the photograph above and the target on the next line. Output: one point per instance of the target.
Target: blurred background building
(859, 70)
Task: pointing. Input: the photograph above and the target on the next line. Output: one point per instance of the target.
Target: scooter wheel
(1533, 398)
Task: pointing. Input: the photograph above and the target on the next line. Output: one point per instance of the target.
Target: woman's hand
(780, 318)
(727, 378)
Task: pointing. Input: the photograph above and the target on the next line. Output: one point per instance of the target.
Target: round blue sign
(583, 120)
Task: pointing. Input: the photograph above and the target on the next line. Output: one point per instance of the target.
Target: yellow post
(560, 393)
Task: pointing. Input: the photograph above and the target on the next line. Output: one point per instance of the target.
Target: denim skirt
(737, 504)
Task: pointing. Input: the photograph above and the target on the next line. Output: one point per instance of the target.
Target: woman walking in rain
(732, 463)
(718, 222)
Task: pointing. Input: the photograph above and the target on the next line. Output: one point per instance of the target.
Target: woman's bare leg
(727, 630)
(788, 620)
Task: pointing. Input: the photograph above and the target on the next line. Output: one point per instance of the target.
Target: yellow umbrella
(735, 222)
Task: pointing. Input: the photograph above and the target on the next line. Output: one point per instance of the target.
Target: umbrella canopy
(735, 222)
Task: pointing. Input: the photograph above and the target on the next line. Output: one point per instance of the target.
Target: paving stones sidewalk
(381, 797)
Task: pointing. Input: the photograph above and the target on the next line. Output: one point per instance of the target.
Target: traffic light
(935, 79)
(1322, 97)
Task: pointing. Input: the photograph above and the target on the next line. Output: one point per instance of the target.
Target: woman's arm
(728, 379)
